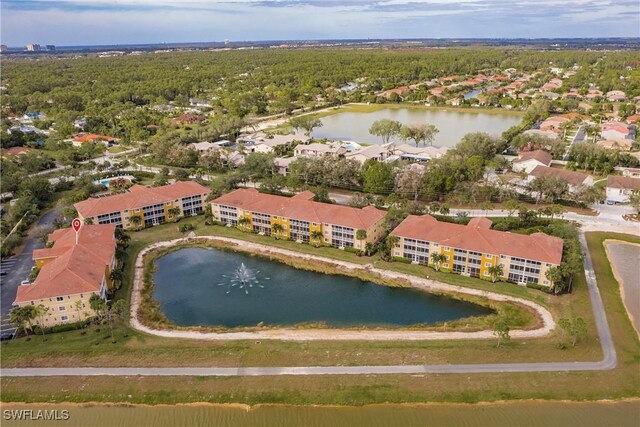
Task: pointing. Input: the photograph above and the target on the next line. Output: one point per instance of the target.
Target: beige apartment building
(474, 248)
(141, 206)
(70, 273)
(299, 218)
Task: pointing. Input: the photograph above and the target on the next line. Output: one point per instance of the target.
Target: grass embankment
(74, 349)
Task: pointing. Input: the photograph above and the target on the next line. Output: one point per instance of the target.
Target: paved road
(19, 266)
(609, 360)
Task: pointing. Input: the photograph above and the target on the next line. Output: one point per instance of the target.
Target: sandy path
(626, 271)
(548, 323)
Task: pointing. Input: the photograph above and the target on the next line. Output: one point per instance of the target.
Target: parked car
(7, 335)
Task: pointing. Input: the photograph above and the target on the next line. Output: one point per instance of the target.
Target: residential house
(72, 269)
(616, 96)
(634, 119)
(15, 151)
(283, 164)
(26, 129)
(551, 85)
(574, 179)
(616, 131)
(91, 138)
(188, 119)
(400, 91)
(529, 160)
(474, 248)
(417, 154)
(631, 172)
(299, 216)
(542, 133)
(620, 188)
(554, 124)
(204, 146)
(150, 205)
(378, 153)
(316, 149)
(620, 144)
(594, 94)
(262, 143)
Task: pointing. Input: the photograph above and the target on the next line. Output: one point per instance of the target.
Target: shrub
(545, 289)
(352, 250)
(401, 259)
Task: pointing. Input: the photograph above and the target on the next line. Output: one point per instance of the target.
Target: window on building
(489, 256)
(59, 298)
(64, 318)
(487, 264)
(62, 308)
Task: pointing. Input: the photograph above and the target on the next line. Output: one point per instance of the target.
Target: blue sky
(87, 22)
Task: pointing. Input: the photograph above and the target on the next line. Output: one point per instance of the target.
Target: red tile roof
(77, 268)
(15, 151)
(90, 137)
(138, 197)
(570, 177)
(476, 236)
(301, 207)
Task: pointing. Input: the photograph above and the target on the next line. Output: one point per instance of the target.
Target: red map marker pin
(76, 224)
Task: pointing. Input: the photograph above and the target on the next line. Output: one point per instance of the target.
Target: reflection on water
(524, 414)
(453, 125)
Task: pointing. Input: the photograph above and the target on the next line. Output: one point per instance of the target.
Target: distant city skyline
(102, 22)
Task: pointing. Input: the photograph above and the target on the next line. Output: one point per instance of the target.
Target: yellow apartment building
(141, 206)
(71, 272)
(299, 218)
(474, 248)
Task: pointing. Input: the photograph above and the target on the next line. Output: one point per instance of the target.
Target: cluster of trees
(598, 160)
(388, 129)
(246, 83)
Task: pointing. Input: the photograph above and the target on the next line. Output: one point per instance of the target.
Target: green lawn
(135, 349)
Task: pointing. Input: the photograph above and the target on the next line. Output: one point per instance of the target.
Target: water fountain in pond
(243, 278)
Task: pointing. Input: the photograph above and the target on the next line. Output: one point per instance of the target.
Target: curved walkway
(608, 362)
(548, 324)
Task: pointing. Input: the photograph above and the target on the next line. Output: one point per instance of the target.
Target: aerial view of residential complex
(367, 213)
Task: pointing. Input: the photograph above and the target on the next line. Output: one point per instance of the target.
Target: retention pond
(213, 287)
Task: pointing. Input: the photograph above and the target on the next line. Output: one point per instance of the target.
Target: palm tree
(496, 271)
(40, 311)
(368, 248)
(122, 237)
(244, 223)
(98, 305)
(361, 234)
(116, 277)
(136, 220)
(174, 213)
(316, 237)
(78, 307)
(437, 260)
(21, 315)
(276, 229)
(88, 221)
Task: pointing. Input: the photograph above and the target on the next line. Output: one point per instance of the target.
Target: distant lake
(453, 124)
(197, 286)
